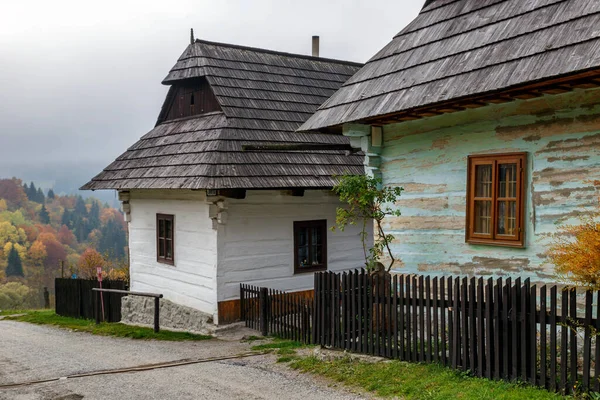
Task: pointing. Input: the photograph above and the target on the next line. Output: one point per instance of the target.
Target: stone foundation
(137, 310)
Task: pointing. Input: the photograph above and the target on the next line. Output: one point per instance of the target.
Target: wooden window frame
(165, 260)
(494, 238)
(321, 224)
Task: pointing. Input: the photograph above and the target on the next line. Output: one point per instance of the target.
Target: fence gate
(74, 298)
(274, 312)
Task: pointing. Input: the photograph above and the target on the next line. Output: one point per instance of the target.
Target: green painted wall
(428, 157)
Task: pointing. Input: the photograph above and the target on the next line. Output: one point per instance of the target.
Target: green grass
(417, 381)
(49, 317)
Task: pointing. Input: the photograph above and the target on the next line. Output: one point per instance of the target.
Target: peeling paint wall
(428, 157)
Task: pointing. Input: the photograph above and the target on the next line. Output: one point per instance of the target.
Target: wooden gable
(190, 97)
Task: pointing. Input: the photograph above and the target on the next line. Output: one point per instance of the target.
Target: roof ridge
(281, 53)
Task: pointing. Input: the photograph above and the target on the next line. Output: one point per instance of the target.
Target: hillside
(44, 235)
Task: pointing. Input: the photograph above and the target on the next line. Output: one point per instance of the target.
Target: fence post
(46, 298)
(242, 303)
(263, 306)
(97, 307)
(156, 314)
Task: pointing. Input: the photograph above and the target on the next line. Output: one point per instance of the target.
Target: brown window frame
(164, 259)
(494, 238)
(320, 224)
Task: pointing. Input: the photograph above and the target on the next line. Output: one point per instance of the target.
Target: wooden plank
(442, 336)
(408, 317)
(480, 328)
(395, 311)
(345, 312)
(490, 334)
(524, 329)
(370, 341)
(543, 338)
(401, 319)
(587, 340)
(353, 311)
(455, 349)
(421, 319)
(428, 337)
(514, 331)
(465, 333)
(553, 341)
(436, 332)
(388, 295)
(597, 342)
(415, 314)
(506, 342)
(573, 341)
(533, 336)
(563, 343)
(376, 315)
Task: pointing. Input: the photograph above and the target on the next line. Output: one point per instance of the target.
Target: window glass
(310, 245)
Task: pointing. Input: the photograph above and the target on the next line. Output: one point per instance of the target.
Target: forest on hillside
(44, 235)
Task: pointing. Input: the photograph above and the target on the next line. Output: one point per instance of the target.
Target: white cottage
(223, 191)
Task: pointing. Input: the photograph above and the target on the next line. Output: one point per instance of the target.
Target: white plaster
(256, 245)
(192, 280)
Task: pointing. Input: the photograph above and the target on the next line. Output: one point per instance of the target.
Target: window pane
(303, 256)
(316, 236)
(483, 183)
(303, 237)
(507, 218)
(161, 228)
(483, 215)
(169, 245)
(507, 180)
(316, 254)
(161, 247)
(169, 229)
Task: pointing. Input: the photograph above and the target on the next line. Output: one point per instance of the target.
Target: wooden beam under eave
(499, 100)
(585, 85)
(556, 90)
(526, 95)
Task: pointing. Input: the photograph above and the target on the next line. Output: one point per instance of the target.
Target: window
(165, 248)
(310, 246)
(495, 197)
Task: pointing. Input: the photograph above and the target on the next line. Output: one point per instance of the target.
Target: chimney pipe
(315, 46)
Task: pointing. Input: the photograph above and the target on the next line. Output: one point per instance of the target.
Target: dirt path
(30, 352)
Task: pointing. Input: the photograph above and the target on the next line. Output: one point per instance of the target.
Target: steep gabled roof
(264, 97)
(456, 49)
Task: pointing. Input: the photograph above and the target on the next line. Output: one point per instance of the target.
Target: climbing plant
(367, 200)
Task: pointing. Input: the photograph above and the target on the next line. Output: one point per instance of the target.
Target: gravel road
(30, 352)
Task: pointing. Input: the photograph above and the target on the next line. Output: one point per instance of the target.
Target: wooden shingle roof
(264, 97)
(457, 49)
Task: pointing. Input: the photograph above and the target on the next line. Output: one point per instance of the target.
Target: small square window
(310, 246)
(165, 239)
(495, 199)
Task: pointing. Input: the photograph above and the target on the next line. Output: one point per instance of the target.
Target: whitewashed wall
(192, 280)
(256, 244)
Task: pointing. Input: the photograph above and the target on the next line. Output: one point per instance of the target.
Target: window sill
(306, 270)
(497, 243)
(166, 262)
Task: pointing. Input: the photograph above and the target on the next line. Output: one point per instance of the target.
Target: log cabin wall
(428, 157)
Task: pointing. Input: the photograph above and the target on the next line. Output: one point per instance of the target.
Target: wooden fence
(274, 312)
(74, 298)
(498, 329)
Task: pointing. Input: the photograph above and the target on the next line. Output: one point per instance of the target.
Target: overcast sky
(80, 80)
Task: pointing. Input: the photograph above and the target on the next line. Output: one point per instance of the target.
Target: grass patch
(49, 317)
(417, 381)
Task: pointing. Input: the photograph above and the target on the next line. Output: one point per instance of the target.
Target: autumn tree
(14, 266)
(54, 249)
(575, 250)
(66, 237)
(88, 262)
(3, 205)
(37, 253)
(44, 216)
(12, 191)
